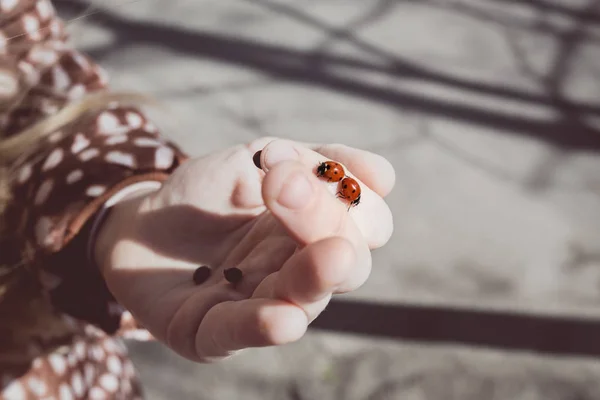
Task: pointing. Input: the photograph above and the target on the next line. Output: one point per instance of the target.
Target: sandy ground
(489, 112)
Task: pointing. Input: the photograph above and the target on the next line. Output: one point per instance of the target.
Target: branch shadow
(567, 132)
(443, 325)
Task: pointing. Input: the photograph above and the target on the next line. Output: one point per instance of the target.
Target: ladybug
(350, 191)
(334, 172)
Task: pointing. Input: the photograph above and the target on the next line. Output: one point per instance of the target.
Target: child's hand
(296, 243)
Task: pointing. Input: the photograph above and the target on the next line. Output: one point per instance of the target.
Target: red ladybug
(334, 172)
(350, 191)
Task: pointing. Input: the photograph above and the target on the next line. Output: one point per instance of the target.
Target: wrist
(116, 221)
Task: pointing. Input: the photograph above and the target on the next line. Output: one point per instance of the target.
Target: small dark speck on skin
(256, 159)
(233, 275)
(201, 274)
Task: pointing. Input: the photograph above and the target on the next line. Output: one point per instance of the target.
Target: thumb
(304, 206)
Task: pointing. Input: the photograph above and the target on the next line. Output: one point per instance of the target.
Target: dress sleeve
(59, 188)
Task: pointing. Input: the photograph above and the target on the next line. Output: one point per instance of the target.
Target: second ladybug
(350, 191)
(332, 171)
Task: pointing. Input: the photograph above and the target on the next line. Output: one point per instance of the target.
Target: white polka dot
(55, 28)
(97, 353)
(163, 158)
(80, 351)
(116, 140)
(120, 158)
(108, 124)
(89, 373)
(109, 382)
(8, 5)
(43, 192)
(150, 127)
(97, 394)
(53, 159)
(88, 154)
(24, 173)
(64, 393)
(95, 190)
(14, 391)
(114, 365)
(74, 176)
(32, 75)
(72, 359)
(92, 331)
(81, 60)
(134, 120)
(42, 231)
(147, 142)
(37, 386)
(9, 85)
(77, 384)
(77, 92)
(49, 107)
(43, 55)
(37, 363)
(58, 364)
(31, 25)
(139, 335)
(109, 345)
(80, 142)
(61, 79)
(44, 9)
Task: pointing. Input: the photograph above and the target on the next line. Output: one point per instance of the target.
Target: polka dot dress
(63, 339)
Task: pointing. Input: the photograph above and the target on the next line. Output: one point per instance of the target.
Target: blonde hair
(29, 141)
(22, 303)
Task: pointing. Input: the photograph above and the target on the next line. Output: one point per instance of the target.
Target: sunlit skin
(281, 225)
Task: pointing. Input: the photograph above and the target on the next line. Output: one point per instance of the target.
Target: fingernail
(279, 152)
(296, 193)
(256, 159)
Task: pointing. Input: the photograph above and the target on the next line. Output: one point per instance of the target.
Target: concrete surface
(488, 110)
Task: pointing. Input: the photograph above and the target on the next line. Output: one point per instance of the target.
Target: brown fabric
(60, 327)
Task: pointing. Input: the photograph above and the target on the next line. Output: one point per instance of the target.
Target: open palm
(294, 241)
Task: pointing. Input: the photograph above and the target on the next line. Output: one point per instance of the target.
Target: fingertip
(281, 179)
(388, 181)
(382, 233)
(338, 262)
(280, 323)
(382, 172)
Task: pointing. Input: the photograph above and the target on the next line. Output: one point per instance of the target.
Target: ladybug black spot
(345, 186)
